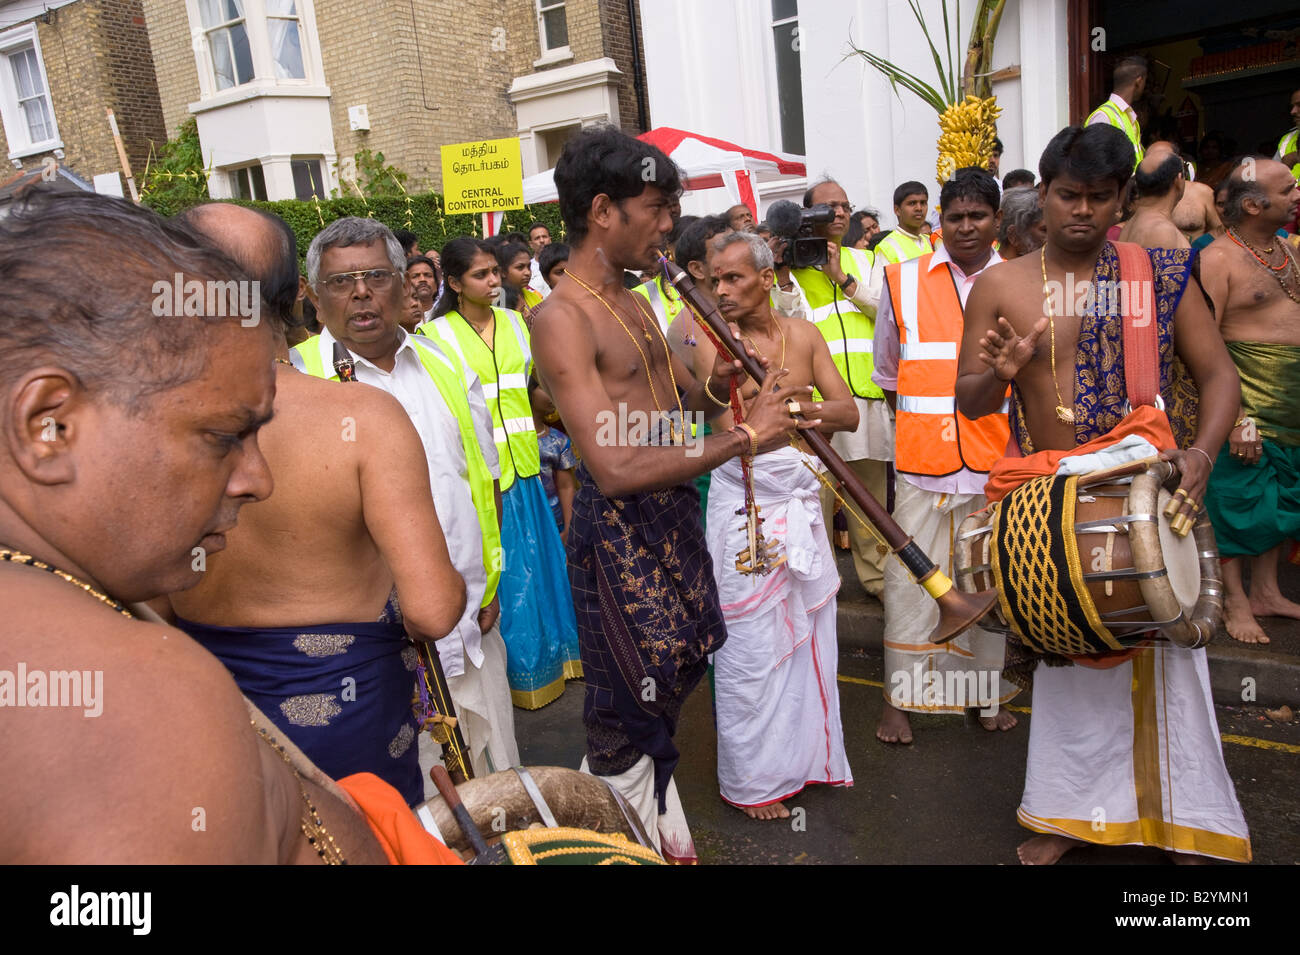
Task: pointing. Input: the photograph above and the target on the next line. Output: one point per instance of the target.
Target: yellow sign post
(484, 176)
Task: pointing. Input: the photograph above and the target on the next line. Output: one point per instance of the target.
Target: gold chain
(654, 394)
(1065, 414)
(16, 557)
(312, 825)
(780, 331)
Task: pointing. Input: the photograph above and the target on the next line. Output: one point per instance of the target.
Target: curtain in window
(232, 60)
(286, 39)
(31, 95)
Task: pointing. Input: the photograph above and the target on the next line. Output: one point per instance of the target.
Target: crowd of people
(426, 444)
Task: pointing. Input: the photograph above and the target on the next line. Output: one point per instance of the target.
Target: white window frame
(264, 81)
(15, 124)
(774, 72)
(233, 171)
(557, 54)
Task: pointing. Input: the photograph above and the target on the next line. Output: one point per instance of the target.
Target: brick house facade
(61, 65)
(426, 72)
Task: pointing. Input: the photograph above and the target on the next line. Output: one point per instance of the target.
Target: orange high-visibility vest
(931, 436)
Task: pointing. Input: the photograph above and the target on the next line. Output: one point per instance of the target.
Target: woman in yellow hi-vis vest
(537, 618)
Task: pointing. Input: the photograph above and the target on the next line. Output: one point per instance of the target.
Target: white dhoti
(481, 695)
(776, 697)
(1131, 756)
(921, 676)
(668, 831)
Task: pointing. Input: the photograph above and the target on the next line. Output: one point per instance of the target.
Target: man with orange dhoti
(1128, 753)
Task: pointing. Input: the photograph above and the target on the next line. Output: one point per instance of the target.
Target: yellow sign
(485, 176)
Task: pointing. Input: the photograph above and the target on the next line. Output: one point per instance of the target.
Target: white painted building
(734, 68)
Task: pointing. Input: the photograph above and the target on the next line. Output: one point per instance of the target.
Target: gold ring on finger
(793, 407)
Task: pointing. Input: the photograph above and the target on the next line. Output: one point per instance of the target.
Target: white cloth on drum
(668, 832)
(926, 677)
(775, 692)
(481, 696)
(1131, 447)
(1131, 755)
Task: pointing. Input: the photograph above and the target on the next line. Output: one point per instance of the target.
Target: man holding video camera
(840, 288)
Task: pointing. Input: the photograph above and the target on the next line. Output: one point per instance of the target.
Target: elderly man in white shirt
(363, 326)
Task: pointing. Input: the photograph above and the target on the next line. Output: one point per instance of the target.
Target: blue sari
(537, 623)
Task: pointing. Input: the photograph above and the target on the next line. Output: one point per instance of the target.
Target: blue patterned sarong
(341, 691)
(536, 609)
(648, 617)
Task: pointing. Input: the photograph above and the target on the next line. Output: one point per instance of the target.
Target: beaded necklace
(16, 557)
(312, 826)
(1278, 272)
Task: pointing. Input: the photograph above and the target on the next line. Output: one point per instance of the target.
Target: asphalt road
(950, 797)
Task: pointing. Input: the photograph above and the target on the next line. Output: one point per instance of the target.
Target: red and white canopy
(705, 162)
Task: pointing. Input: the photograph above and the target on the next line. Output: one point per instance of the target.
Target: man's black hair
(603, 160)
(970, 182)
(1089, 154)
(421, 260)
(1151, 184)
(997, 146)
(1237, 187)
(538, 225)
(407, 239)
(106, 329)
(551, 256)
(693, 244)
(1018, 177)
(515, 236)
(911, 188)
(1128, 70)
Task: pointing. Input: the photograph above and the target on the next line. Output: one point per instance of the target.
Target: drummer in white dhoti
(1128, 753)
(777, 703)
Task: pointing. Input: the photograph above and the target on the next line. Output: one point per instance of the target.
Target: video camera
(804, 249)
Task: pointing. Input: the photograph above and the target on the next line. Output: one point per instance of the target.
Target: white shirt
(886, 350)
(874, 437)
(537, 283)
(1118, 101)
(439, 432)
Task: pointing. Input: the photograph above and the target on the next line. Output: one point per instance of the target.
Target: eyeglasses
(342, 283)
(844, 207)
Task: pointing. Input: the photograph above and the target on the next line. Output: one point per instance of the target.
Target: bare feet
(1002, 720)
(894, 726)
(1272, 604)
(1045, 849)
(774, 810)
(1240, 622)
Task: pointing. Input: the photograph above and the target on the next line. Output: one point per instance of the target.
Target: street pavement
(951, 796)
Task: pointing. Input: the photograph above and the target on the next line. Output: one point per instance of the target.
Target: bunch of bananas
(967, 130)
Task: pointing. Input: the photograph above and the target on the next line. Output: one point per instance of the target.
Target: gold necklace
(781, 364)
(313, 827)
(1066, 415)
(654, 394)
(16, 557)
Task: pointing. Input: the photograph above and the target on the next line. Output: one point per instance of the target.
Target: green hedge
(422, 214)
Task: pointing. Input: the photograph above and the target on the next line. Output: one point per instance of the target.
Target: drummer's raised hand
(1006, 352)
(1188, 502)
